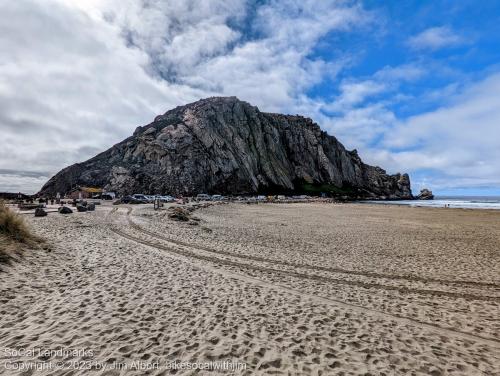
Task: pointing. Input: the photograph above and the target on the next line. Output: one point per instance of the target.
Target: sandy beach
(267, 289)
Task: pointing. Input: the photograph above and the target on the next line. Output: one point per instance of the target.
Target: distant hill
(226, 146)
(12, 196)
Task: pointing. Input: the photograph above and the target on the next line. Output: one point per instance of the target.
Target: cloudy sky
(413, 85)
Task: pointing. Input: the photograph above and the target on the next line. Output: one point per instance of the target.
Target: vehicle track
(404, 290)
(189, 256)
(315, 267)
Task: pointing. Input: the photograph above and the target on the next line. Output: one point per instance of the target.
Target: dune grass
(15, 235)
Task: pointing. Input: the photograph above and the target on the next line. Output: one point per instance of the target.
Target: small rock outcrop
(40, 212)
(180, 214)
(65, 210)
(425, 194)
(222, 145)
(81, 208)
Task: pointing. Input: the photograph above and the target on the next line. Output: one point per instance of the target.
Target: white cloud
(456, 145)
(355, 93)
(460, 141)
(400, 73)
(79, 76)
(13, 181)
(361, 113)
(435, 38)
(359, 127)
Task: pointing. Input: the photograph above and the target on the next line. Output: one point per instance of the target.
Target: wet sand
(283, 289)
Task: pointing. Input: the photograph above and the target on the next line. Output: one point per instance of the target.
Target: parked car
(166, 198)
(133, 200)
(216, 198)
(203, 197)
(141, 197)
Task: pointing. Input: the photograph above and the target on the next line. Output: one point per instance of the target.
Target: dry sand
(287, 289)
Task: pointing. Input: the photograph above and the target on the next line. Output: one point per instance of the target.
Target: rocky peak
(224, 145)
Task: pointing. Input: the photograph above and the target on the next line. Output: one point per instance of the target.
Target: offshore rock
(226, 146)
(425, 194)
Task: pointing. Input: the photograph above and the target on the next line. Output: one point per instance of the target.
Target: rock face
(425, 194)
(226, 146)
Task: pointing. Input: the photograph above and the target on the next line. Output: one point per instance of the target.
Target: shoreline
(421, 204)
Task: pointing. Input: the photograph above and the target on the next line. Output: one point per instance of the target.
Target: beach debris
(425, 194)
(39, 212)
(179, 214)
(65, 210)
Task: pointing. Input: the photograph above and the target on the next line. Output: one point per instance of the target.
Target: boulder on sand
(81, 208)
(39, 212)
(65, 210)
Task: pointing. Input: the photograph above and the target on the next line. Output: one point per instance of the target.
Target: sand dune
(299, 289)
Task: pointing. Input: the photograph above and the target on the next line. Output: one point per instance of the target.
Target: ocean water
(463, 202)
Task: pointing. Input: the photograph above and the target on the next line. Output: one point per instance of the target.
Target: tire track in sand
(188, 256)
(409, 278)
(404, 290)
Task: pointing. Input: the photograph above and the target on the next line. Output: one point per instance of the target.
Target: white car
(203, 197)
(166, 198)
(141, 197)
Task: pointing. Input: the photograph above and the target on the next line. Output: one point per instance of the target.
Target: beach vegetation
(15, 234)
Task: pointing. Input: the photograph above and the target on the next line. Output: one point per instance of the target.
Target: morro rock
(227, 146)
